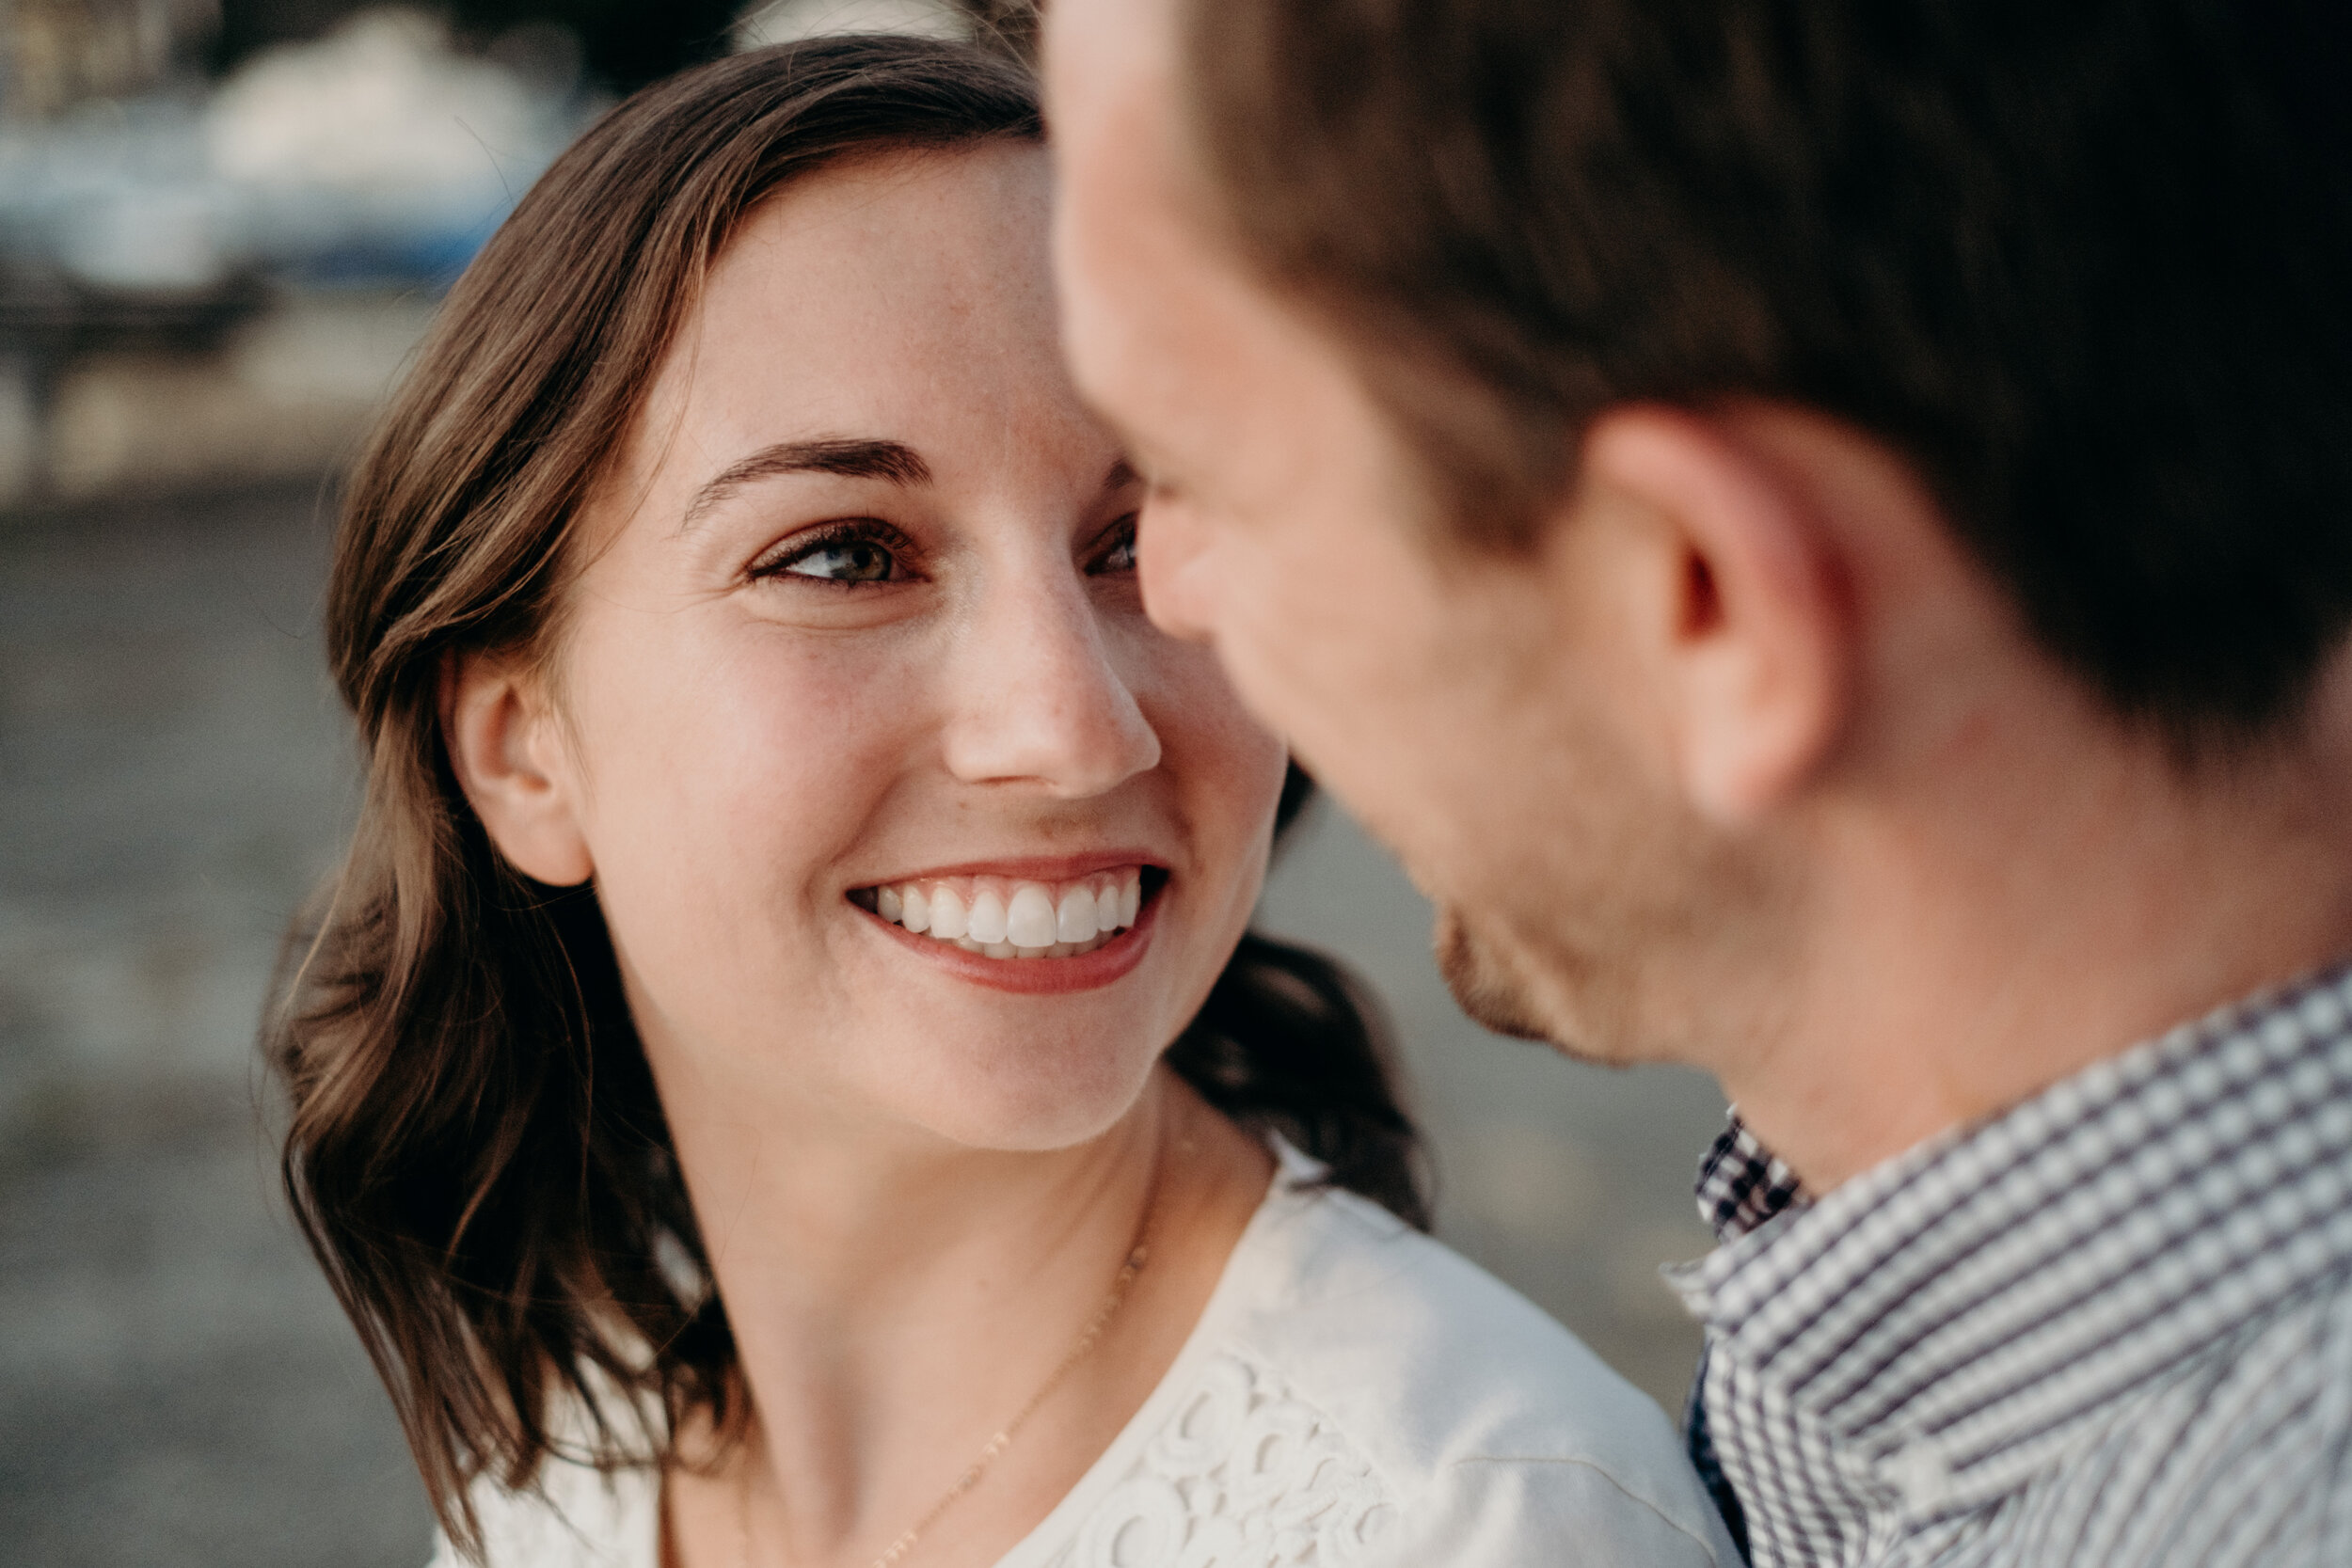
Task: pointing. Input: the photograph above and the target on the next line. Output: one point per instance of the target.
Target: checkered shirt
(2110, 1326)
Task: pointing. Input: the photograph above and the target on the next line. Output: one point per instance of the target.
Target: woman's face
(858, 636)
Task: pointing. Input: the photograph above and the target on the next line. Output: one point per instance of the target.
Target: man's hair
(2086, 264)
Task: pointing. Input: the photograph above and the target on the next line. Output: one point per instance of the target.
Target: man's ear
(1740, 615)
(505, 745)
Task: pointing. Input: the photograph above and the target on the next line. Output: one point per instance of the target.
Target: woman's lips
(1110, 959)
(1032, 926)
(1009, 919)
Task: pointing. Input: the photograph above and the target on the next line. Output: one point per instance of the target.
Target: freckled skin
(856, 604)
(752, 748)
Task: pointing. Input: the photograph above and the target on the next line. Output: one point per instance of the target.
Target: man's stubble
(1608, 933)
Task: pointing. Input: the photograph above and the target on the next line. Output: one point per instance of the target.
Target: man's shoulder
(1464, 1396)
(2242, 1455)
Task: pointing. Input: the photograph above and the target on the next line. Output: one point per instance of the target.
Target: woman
(732, 1080)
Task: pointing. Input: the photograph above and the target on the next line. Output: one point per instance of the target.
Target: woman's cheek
(810, 733)
(732, 756)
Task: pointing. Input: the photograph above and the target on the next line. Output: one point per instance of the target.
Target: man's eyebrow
(894, 460)
(1121, 475)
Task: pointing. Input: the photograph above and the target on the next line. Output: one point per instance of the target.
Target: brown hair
(476, 1153)
(2083, 264)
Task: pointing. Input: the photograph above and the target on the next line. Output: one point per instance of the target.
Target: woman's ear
(1736, 607)
(506, 745)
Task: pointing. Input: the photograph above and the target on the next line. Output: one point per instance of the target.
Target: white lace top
(1354, 1393)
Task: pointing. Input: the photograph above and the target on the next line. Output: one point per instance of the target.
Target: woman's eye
(1121, 554)
(841, 561)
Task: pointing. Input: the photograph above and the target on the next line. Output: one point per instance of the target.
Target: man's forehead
(1100, 55)
(1121, 140)
(1109, 29)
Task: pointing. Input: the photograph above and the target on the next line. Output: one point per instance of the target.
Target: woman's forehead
(902, 248)
(899, 292)
(902, 297)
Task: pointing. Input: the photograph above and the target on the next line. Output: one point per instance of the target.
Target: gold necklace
(1138, 1252)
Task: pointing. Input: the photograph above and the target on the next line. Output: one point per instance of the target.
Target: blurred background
(223, 225)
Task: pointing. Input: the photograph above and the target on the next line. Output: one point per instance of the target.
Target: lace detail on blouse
(1244, 1474)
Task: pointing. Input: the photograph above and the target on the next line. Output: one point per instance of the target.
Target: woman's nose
(1039, 698)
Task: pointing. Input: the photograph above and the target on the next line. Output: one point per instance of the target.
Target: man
(1821, 532)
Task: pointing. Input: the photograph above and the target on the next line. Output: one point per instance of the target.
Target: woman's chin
(1022, 1106)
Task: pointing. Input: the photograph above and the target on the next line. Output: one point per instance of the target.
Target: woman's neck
(896, 1301)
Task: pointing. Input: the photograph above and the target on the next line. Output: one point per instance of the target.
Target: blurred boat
(375, 155)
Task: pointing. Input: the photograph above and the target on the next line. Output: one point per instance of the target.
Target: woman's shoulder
(1434, 1351)
(576, 1517)
(1362, 1386)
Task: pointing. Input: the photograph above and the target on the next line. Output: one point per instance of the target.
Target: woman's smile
(1066, 924)
(835, 640)
(793, 972)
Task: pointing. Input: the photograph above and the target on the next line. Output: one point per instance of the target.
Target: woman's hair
(476, 1151)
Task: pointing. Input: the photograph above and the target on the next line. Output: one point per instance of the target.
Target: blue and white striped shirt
(2110, 1326)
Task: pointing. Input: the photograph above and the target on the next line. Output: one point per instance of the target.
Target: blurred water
(176, 1386)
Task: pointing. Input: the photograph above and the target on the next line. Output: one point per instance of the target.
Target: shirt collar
(1975, 1302)
(1742, 1184)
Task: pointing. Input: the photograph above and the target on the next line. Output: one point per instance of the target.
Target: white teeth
(988, 916)
(947, 918)
(1030, 921)
(1016, 920)
(1074, 921)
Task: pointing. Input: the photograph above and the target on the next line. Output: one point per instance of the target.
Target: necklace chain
(1117, 1298)
(1139, 1253)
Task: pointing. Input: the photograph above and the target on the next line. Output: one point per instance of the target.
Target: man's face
(1458, 700)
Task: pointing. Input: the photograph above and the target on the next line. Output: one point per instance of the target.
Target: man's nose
(1172, 562)
(1040, 699)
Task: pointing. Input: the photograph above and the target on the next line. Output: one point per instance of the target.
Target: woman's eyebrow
(855, 458)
